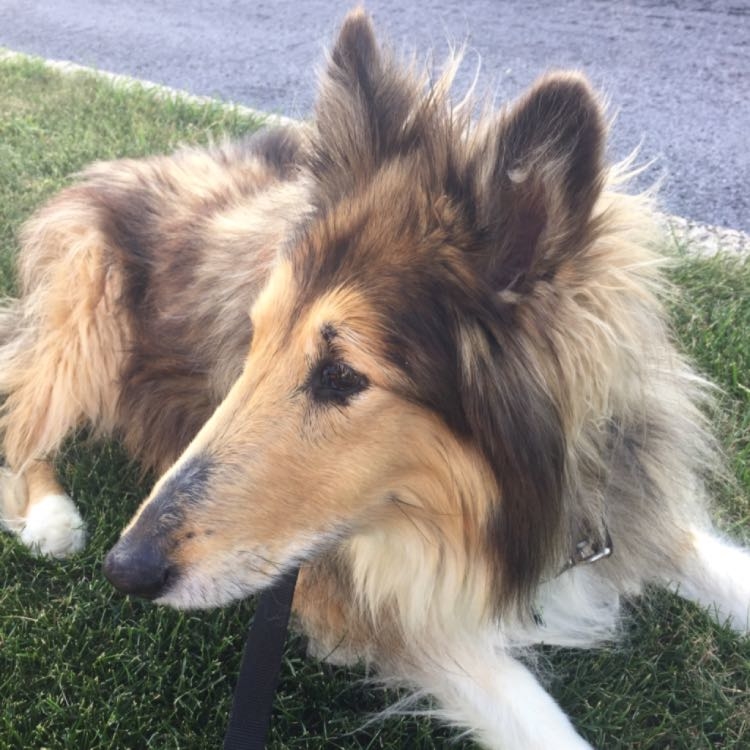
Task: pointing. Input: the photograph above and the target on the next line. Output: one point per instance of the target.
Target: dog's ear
(538, 175)
(364, 101)
(533, 179)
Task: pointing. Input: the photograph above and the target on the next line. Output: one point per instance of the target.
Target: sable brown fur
(420, 354)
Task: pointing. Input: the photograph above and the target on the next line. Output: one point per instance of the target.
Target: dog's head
(403, 398)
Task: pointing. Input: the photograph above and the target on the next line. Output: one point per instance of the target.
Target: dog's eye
(337, 381)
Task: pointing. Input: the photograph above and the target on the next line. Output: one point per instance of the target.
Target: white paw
(54, 527)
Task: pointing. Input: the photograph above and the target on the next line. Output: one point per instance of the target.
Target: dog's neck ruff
(261, 661)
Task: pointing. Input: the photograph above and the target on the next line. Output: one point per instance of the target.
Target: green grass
(83, 667)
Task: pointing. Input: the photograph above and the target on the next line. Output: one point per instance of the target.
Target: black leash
(260, 667)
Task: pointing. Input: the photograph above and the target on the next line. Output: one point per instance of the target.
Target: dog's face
(401, 384)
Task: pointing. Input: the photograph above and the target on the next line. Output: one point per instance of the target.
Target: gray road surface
(678, 73)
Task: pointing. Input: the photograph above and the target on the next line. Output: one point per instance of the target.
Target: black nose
(137, 567)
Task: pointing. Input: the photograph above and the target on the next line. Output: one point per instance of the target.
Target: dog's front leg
(481, 687)
(34, 506)
(715, 574)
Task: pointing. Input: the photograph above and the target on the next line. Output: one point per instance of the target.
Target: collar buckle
(588, 551)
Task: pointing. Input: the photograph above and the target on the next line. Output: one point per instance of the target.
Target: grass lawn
(83, 667)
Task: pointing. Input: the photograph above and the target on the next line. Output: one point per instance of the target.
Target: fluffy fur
(455, 369)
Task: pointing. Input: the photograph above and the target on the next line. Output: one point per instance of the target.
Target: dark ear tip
(573, 81)
(356, 16)
(356, 38)
(568, 94)
(563, 114)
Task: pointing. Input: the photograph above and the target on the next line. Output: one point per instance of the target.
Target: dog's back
(149, 267)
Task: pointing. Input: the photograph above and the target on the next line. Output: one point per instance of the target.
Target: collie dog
(419, 353)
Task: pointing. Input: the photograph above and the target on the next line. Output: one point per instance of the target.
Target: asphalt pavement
(677, 73)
